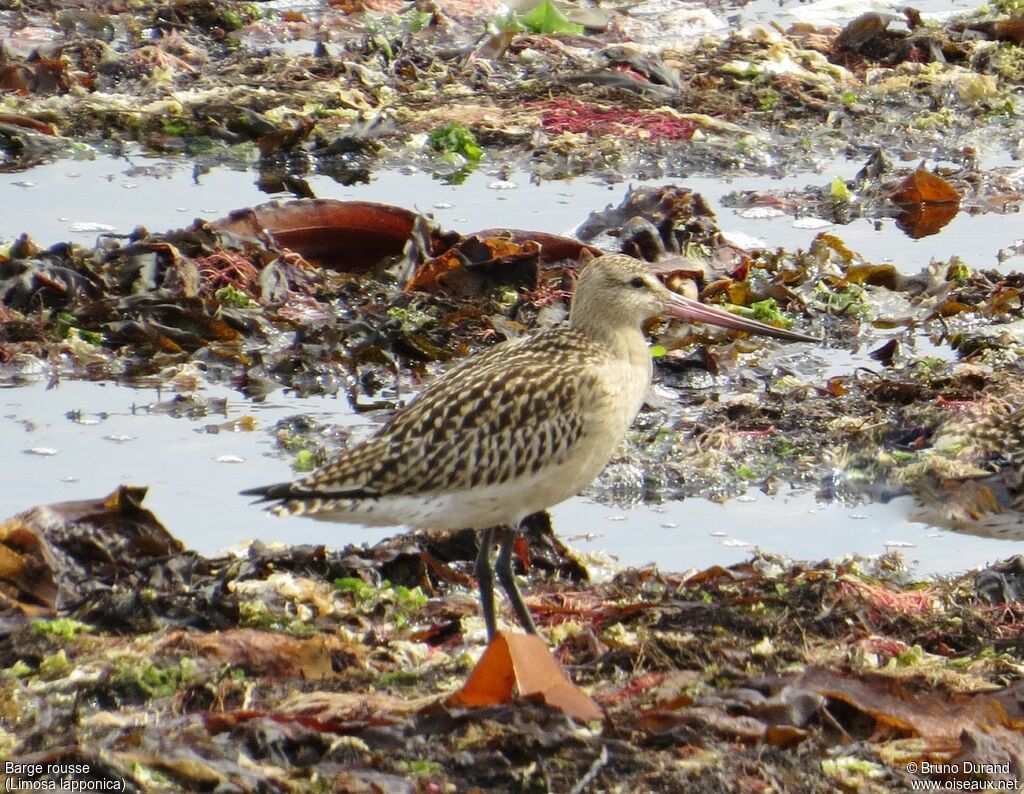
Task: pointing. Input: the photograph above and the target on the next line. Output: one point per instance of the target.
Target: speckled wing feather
(491, 419)
(993, 435)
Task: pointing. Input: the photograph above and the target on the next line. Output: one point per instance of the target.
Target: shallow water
(79, 440)
(76, 200)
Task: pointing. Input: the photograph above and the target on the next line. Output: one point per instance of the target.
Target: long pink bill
(683, 308)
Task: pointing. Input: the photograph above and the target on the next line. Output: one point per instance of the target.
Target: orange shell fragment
(521, 664)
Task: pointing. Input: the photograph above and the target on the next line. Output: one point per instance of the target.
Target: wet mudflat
(855, 179)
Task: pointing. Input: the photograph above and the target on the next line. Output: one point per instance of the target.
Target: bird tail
(268, 493)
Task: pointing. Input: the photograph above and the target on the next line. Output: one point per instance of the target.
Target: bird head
(615, 289)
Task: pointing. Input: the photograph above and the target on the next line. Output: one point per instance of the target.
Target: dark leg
(507, 578)
(485, 579)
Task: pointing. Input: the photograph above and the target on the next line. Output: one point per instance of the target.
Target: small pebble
(91, 227)
(811, 222)
(43, 451)
(758, 213)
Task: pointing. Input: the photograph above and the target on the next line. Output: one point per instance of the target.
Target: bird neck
(620, 336)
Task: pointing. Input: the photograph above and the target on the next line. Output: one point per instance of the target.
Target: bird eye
(637, 281)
